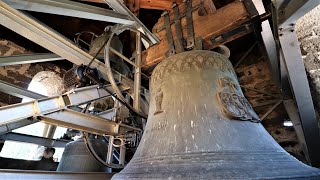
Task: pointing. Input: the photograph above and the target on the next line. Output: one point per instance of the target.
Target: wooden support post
(134, 6)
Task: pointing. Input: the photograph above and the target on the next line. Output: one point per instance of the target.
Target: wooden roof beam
(148, 4)
(159, 5)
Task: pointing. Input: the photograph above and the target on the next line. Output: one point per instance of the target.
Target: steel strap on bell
(200, 126)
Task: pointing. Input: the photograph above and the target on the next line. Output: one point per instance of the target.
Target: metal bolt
(174, 4)
(165, 12)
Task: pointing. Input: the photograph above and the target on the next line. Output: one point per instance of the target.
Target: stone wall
(308, 32)
(21, 75)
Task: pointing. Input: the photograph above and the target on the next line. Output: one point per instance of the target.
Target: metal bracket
(249, 5)
(198, 43)
(180, 42)
(171, 50)
(71, 9)
(182, 15)
(222, 37)
(190, 32)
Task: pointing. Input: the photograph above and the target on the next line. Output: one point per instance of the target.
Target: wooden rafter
(156, 4)
(94, 1)
(148, 4)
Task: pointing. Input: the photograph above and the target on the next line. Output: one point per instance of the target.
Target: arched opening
(47, 83)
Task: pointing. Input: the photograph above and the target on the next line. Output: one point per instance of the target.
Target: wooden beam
(94, 1)
(208, 8)
(148, 4)
(134, 6)
(213, 24)
(158, 4)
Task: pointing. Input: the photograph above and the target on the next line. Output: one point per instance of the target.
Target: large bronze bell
(200, 126)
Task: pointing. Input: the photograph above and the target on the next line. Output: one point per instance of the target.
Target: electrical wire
(116, 97)
(96, 55)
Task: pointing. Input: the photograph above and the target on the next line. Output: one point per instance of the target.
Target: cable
(96, 55)
(116, 97)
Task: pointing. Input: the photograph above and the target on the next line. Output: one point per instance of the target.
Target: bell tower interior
(150, 89)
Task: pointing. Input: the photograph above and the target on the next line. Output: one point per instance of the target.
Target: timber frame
(226, 24)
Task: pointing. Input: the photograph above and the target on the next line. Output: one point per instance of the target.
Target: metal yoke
(179, 44)
(190, 31)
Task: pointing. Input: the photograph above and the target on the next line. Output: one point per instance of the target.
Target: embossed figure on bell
(200, 126)
(158, 101)
(234, 105)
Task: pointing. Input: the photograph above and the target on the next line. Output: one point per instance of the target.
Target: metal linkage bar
(84, 122)
(108, 114)
(70, 8)
(18, 91)
(137, 75)
(122, 56)
(118, 6)
(15, 125)
(53, 110)
(11, 136)
(26, 59)
(39, 33)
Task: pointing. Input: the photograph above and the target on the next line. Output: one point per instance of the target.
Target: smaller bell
(77, 158)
